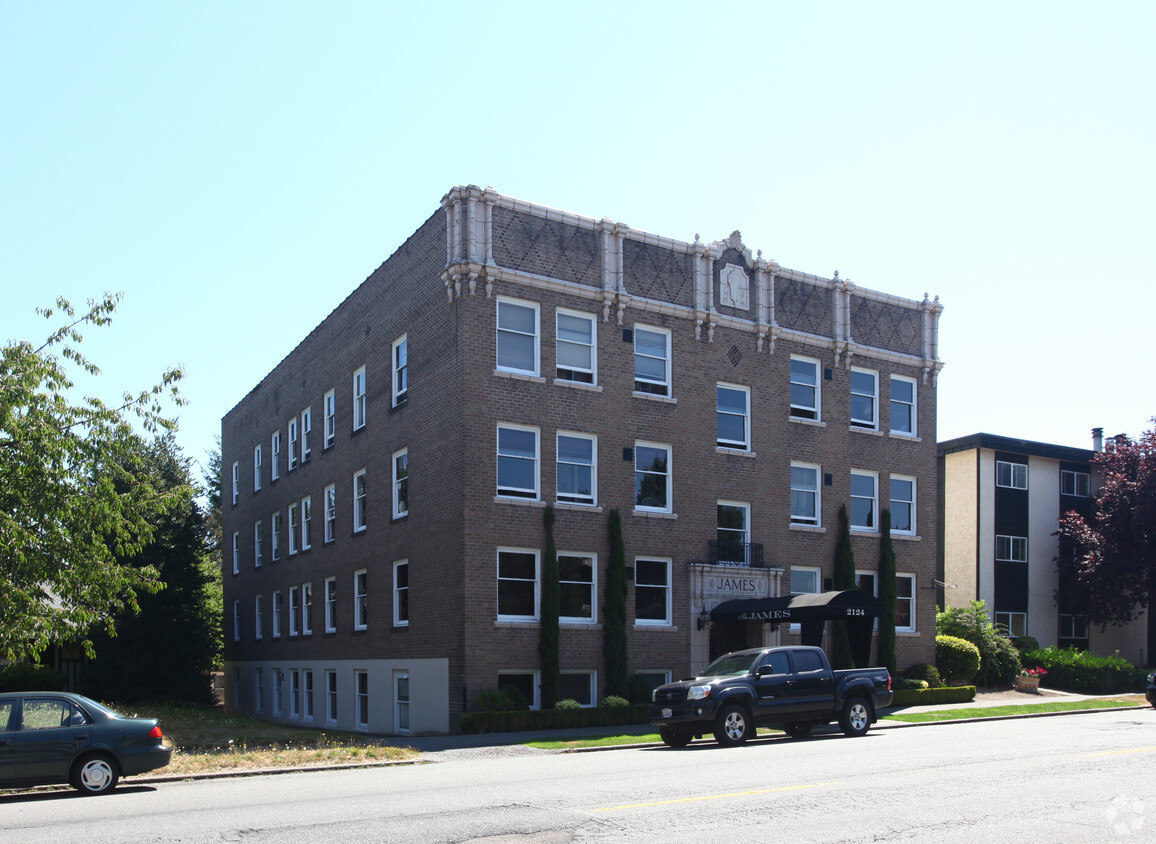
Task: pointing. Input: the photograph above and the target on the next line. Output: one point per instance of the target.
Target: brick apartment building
(389, 476)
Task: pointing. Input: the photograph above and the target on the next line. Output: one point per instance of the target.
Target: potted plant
(1029, 679)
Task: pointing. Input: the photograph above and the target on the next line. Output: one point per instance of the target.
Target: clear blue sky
(236, 169)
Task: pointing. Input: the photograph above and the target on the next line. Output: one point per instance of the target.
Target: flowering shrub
(1033, 672)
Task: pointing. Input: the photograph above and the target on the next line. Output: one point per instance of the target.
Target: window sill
(581, 508)
(908, 634)
(579, 625)
(862, 531)
(519, 376)
(657, 626)
(514, 624)
(653, 397)
(856, 429)
(654, 514)
(737, 452)
(898, 435)
(809, 528)
(906, 537)
(801, 420)
(578, 385)
(522, 502)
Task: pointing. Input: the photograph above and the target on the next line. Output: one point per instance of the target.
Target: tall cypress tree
(614, 612)
(887, 594)
(548, 643)
(844, 579)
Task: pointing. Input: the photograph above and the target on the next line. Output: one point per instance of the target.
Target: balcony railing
(730, 553)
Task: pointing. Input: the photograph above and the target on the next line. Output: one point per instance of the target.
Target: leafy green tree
(840, 646)
(999, 659)
(887, 594)
(614, 612)
(548, 630)
(70, 509)
(166, 649)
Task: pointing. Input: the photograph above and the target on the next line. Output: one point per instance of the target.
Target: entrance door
(727, 636)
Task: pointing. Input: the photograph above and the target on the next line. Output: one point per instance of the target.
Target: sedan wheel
(95, 775)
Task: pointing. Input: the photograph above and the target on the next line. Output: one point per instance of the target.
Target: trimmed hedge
(552, 719)
(957, 659)
(29, 677)
(933, 697)
(1073, 670)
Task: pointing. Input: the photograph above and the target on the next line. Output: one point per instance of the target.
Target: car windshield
(730, 664)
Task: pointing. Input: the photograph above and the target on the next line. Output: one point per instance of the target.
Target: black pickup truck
(792, 686)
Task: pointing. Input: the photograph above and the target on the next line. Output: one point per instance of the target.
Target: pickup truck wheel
(798, 729)
(674, 739)
(732, 727)
(856, 717)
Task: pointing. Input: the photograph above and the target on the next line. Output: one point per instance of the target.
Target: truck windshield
(730, 664)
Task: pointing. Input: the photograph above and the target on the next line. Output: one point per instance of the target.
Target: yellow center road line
(1118, 752)
(716, 796)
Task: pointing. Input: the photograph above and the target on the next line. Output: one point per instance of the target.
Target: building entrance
(727, 636)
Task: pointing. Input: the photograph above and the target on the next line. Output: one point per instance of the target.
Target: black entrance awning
(850, 603)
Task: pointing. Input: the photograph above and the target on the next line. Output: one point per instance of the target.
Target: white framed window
(275, 536)
(805, 494)
(361, 689)
(518, 593)
(864, 398)
(276, 613)
(331, 605)
(1073, 626)
(359, 501)
(1075, 483)
(236, 552)
(864, 500)
(400, 370)
(306, 523)
(652, 477)
(359, 399)
(517, 336)
(294, 609)
(329, 405)
(278, 683)
(306, 433)
(331, 696)
(236, 481)
(575, 347)
(401, 483)
(275, 456)
(293, 526)
(903, 505)
(1012, 549)
(868, 581)
(306, 609)
(654, 679)
(292, 440)
(236, 621)
(580, 686)
(360, 600)
(734, 417)
(805, 580)
(905, 603)
(1016, 623)
(330, 497)
(526, 682)
(652, 360)
(577, 468)
(307, 697)
(1011, 475)
(903, 408)
(257, 468)
(578, 579)
(294, 693)
(652, 592)
(733, 534)
(805, 392)
(259, 688)
(401, 701)
(517, 461)
(257, 543)
(401, 593)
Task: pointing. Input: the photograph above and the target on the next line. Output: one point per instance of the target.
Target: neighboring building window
(361, 685)
(330, 513)
(276, 613)
(275, 537)
(401, 483)
(237, 687)
(400, 370)
(652, 601)
(359, 501)
(294, 609)
(905, 603)
(1013, 549)
(517, 337)
(236, 481)
(864, 500)
(306, 433)
(517, 461)
(903, 393)
(360, 600)
(330, 604)
(359, 409)
(259, 682)
(805, 388)
(236, 621)
(578, 686)
(257, 537)
(294, 693)
(1015, 623)
(257, 468)
(575, 347)
(307, 683)
(652, 361)
(733, 534)
(525, 682)
(307, 609)
(236, 552)
(577, 577)
(804, 494)
(1012, 475)
(902, 505)
(278, 681)
(517, 584)
(577, 468)
(306, 523)
(1073, 627)
(275, 456)
(734, 417)
(401, 593)
(401, 701)
(864, 398)
(652, 472)
(331, 697)
(292, 529)
(1075, 483)
(292, 456)
(330, 411)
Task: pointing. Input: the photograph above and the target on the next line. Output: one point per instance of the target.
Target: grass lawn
(1016, 709)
